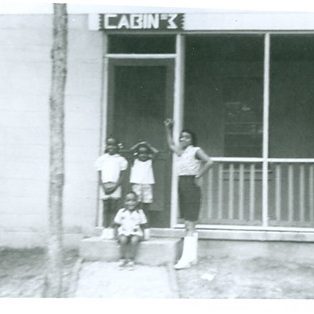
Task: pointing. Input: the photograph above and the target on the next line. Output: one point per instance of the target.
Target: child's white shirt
(142, 172)
(111, 166)
(130, 221)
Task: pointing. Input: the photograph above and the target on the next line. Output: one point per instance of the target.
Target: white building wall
(25, 71)
(249, 21)
(83, 118)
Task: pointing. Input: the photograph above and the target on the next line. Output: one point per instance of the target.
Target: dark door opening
(140, 98)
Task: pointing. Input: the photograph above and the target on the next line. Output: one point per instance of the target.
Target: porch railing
(291, 193)
(233, 193)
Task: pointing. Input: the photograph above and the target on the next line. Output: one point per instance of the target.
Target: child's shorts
(144, 192)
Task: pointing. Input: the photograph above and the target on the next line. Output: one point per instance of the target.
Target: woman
(192, 164)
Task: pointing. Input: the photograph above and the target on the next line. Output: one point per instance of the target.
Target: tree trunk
(53, 279)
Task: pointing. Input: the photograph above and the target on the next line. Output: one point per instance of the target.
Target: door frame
(177, 110)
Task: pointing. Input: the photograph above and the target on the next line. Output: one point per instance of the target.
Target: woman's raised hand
(168, 123)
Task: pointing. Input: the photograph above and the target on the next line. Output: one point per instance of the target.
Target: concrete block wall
(83, 123)
(25, 76)
(242, 250)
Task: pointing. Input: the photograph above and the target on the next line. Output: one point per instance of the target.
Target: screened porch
(250, 100)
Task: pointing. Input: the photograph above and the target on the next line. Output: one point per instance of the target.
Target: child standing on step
(142, 175)
(111, 168)
(130, 222)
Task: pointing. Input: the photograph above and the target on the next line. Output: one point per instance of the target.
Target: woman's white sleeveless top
(187, 163)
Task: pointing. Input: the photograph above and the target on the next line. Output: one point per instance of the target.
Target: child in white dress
(111, 168)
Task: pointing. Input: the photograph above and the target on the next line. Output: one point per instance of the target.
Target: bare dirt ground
(108, 280)
(22, 275)
(255, 278)
(22, 272)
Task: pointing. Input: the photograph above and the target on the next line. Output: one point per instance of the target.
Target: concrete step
(155, 252)
(281, 235)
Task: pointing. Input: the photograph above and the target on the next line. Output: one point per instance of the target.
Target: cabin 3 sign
(141, 21)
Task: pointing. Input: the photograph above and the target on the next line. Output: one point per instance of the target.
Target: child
(111, 169)
(142, 176)
(130, 221)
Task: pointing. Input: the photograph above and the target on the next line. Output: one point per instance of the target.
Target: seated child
(130, 222)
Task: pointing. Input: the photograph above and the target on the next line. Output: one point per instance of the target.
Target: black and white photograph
(158, 151)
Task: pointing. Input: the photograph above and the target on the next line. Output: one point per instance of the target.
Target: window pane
(243, 129)
(224, 93)
(292, 96)
(141, 44)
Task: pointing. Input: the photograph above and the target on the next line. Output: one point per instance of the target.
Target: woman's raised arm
(169, 126)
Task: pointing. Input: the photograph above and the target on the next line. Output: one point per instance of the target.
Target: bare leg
(112, 209)
(123, 242)
(189, 227)
(105, 212)
(134, 243)
(145, 207)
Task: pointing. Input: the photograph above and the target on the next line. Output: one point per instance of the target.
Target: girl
(130, 221)
(192, 164)
(111, 168)
(142, 176)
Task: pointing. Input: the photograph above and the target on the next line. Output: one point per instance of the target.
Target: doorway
(140, 98)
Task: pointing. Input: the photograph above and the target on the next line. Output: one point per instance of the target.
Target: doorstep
(154, 252)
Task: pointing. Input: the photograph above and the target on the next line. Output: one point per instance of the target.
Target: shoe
(122, 262)
(107, 234)
(183, 265)
(189, 253)
(130, 265)
(146, 234)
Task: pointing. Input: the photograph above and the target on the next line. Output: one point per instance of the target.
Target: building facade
(242, 81)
